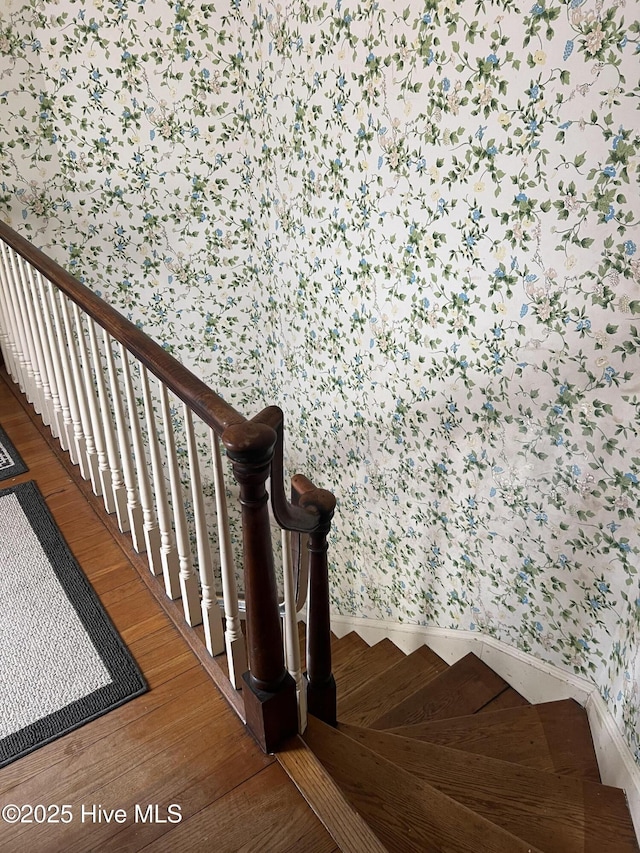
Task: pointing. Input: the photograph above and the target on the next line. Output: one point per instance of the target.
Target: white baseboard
(536, 680)
(615, 761)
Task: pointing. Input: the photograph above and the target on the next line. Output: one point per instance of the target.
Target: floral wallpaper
(414, 226)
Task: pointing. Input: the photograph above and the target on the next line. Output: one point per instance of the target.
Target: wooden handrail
(213, 410)
(291, 516)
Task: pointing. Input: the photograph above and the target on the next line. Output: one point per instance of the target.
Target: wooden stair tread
(553, 736)
(349, 644)
(369, 663)
(345, 653)
(343, 649)
(346, 826)
(392, 686)
(454, 760)
(558, 814)
(302, 644)
(509, 698)
(461, 689)
(405, 812)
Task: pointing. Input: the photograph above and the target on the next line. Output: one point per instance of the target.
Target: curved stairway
(451, 759)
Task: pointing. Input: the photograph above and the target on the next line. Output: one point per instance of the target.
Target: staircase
(432, 757)
(425, 756)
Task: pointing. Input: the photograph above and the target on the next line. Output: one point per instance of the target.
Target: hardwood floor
(179, 743)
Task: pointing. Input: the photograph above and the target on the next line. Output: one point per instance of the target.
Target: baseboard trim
(536, 680)
(616, 763)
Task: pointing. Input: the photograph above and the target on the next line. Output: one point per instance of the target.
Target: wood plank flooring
(180, 743)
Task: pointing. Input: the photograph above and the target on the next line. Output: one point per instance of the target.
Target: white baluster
(168, 553)
(211, 616)
(188, 581)
(127, 505)
(12, 359)
(73, 427)
(25, 371)
(49, 384)
(33, 372)
(112, 486)
(96, 450)
(63, 414)
(5, 335)
(34, 339)
(234, 638)
(151, 531)
(291, 641)
(81, 418)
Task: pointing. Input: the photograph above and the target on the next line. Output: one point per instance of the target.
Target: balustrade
(146, 434)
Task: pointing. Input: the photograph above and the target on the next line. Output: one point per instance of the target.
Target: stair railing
(137, 423)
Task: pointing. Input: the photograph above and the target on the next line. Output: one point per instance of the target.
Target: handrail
(213, 410)
(318, 502)
(29, 307)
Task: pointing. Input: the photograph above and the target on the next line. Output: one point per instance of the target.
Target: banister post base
(321, 700)
(271, 717)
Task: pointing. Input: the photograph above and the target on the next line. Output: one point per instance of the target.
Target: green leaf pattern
(415, 228)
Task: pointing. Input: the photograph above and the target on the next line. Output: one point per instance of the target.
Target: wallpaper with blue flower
(412, 225)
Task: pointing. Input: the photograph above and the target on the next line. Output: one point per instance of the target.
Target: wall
(413, 227)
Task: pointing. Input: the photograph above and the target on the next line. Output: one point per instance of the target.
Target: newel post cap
(249, 442)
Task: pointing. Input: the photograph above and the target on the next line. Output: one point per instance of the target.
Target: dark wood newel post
(269, 691)
(321, 685)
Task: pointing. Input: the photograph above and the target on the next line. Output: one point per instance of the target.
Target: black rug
(11, 463)
(62, 663)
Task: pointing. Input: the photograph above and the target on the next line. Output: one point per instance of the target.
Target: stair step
(404, 811)
(302, 645)
(509, 698)
(346, 826)
(344, 648)
(558, 814)
(381, 693)
(553, 736)
(368, 664)
(461, 689)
